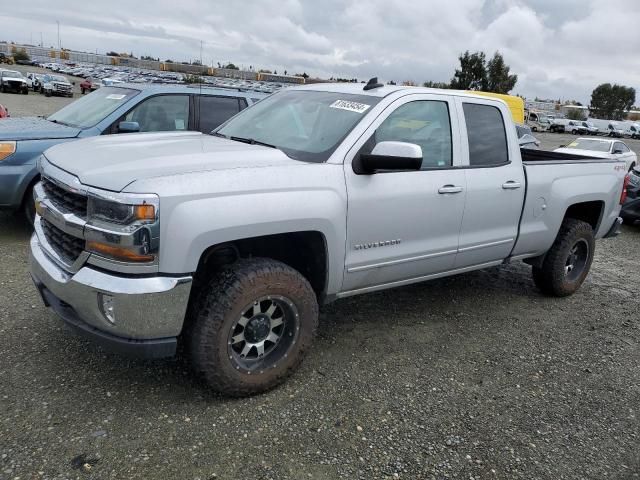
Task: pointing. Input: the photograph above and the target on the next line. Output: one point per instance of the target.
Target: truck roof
(357, 89)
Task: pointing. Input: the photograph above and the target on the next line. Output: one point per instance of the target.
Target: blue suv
(109, 110)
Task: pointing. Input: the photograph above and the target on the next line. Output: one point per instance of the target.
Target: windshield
(93, 108)
(306, 125)
(55, 78)
(590, 144)
(12, 74)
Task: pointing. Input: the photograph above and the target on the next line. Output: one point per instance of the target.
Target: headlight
(123, 227)
(120, 213)
(7, 149)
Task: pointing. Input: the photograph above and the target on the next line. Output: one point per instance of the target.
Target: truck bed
(555, 181)
(533, 156)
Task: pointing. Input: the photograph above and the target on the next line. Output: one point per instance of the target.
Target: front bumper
(149, 311)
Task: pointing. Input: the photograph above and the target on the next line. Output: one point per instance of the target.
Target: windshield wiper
(252, 141)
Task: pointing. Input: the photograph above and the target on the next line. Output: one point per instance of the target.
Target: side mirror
(128, 127)
(617, 151)
(392, 156)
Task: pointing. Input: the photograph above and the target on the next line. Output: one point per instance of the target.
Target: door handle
(511, 185)
(449, 189)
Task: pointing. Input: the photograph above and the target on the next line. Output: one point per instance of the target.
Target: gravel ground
(35, 103)
(475, 376)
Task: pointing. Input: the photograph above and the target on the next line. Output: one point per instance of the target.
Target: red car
(88, 85)
(4, 113)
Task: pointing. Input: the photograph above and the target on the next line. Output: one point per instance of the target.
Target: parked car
(631, 207)
(89, 85)
(558, 125)
(4, 112)
(602, 148)
(36, 80)
(12, 81)
(56, 85)
(538, 121)
(117, 109)
(526, 138)
(230, 241)
(590, 128)
(609, 128)
(631, 129)
(575, 127)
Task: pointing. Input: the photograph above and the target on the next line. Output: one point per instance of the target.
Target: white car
(591, 128)
(602, 148)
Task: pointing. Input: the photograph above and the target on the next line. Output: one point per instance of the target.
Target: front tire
(29, 206)
(568, 261)
(250, 326)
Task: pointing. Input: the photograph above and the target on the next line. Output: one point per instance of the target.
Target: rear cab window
(486, 135)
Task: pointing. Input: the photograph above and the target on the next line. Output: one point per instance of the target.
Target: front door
(403, 225)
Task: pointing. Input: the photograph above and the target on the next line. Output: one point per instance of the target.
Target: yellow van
(515, 104)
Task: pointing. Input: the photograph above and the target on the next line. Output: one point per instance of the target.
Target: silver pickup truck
(229, 242)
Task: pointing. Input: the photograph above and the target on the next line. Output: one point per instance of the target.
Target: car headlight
(123, 227)
(7, 149)
(120, 213)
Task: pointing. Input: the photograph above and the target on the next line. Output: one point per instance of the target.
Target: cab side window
(425, 123)
(486, 135)
(163, 113)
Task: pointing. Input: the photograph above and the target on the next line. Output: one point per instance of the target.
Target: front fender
(195, 225)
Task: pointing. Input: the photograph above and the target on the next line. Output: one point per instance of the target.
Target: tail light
(625, 185)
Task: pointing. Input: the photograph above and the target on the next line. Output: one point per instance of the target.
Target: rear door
(403, 225)
(212, 111)
(495, 184)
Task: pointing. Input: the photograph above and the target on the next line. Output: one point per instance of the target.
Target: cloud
(558, 49)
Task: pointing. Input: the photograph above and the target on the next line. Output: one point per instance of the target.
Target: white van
(538, 121)
(610, 128)
(631, 129)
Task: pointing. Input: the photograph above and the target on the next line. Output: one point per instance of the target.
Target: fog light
(108, 307)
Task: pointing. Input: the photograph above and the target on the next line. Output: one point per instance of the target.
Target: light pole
(58, 22)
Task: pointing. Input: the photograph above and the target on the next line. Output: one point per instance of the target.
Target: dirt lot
(35, 103)
(476, 376)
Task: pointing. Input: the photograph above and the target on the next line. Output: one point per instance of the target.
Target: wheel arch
(306, 251)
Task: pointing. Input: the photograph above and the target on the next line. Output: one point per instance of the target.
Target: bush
(192, 79)
(21, 55)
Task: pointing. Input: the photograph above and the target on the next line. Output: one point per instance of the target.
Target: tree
(472, 74)
(498, 78)
(113, 54)
(231, 66)
(21, 55)
(431, 84)
(575, 114)
(610, 101)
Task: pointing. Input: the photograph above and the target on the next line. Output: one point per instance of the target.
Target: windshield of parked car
(88, 111)
(590, 144)
(56, 78)
(306, 125)
(11, 74)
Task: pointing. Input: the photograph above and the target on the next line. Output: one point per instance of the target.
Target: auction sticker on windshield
(350, 106)
(115, 96)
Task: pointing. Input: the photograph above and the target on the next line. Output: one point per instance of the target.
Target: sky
(560, 49)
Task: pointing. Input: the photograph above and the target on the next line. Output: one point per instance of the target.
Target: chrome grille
(65, 245)
(71, 202)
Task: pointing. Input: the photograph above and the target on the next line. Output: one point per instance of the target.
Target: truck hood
(113, 162)
(34, 128)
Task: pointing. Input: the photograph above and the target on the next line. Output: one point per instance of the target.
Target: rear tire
(236, 311)
(568, 261)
